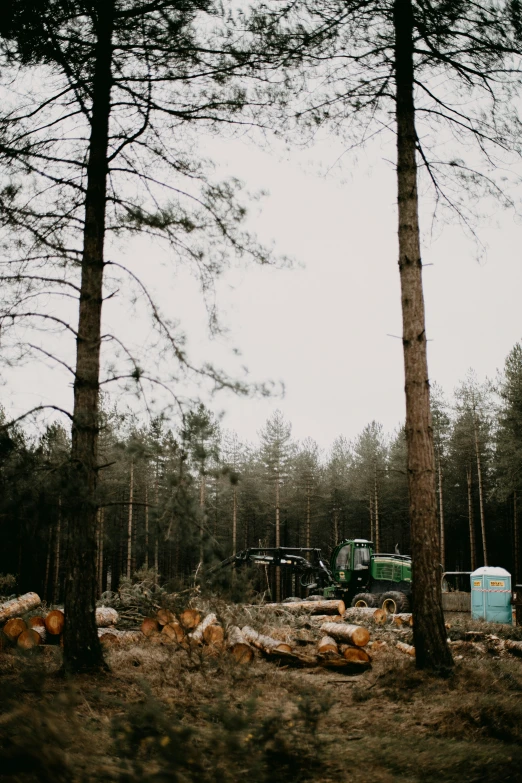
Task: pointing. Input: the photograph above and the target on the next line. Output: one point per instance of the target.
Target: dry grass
(165, 714)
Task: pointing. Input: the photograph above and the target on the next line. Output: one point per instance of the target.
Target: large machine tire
(364, 599)
(394, 602)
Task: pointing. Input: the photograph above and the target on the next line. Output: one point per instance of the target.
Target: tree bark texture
(24, 603)
(377, 531)
(56, 583)
(432, 650)
(278, 540)
(146, 526)
(308, 516)
(516, 542)
(234, 521)
(441, 520)
(82, 649)
(473, 555)
(129, 523)
(481, 493)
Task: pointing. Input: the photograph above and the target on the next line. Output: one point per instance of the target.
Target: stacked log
(173, 631)
(327, 645)
(312, 607)
(355, 654)
(190, 619)
(214, 635)
(29, 639)
(240, 649)
(356, 635)
(105, 616)
(54, 622)
(38, 624)
(14, 627)
(149, 626)
(16, 606)
(406, 648)
(404, 618)
(197, 634)
(165, 616)
(265, 643)
(366, 614)
(113, 636)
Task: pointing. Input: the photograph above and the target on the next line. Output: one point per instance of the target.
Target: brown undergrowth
(172, 715)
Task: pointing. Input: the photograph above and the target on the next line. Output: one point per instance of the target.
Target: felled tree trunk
(24, 603)
(197, 635)
(54, 622)
(174, 631)
(149, 626)
(14, 627)
(313, 607)
(367, 614)
(513, 647)
(264, 643)
(214, 635)
(406, 648)
(356, 635)
(327, 645)
(238, 645)
(190, 619)
(355, 654)
(106, 616)
(402, 619)
(29, 639)
(165, 616)
(113, 636)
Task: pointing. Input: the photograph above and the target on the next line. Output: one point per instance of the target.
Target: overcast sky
(328, 329)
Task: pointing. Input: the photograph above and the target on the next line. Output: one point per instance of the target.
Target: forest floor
(162, 714)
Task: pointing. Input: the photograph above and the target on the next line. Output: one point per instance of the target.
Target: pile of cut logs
(38, 630)
(338, 637)
(341, 646)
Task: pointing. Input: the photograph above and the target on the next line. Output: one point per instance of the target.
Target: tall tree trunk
(441, 519)
(376, 511)
(202, 508)
(472, 548)
(430, 636)
(278, 539)
(56, 584)
(308, 519)
(336, 524)
(234, 521)
(481, 495)
(156, 541)
(100, 552)
(129, 521)
(372, 526)
(146, 525)
(516, 542)
(82, 649)
(48, 564)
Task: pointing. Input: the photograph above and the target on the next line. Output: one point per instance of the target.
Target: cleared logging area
(167, 710)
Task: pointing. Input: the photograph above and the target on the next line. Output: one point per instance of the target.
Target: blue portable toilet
(491, 595)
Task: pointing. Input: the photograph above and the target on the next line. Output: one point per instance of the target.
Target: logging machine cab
(351, 561)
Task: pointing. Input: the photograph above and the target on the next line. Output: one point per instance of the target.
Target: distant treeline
(172, 500)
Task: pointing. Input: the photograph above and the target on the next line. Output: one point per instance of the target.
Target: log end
(55, 621)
